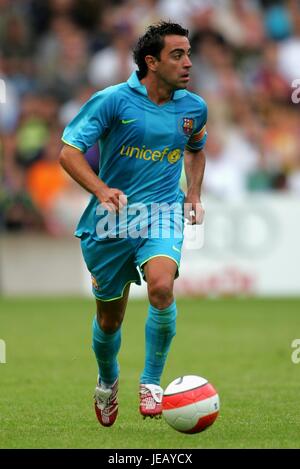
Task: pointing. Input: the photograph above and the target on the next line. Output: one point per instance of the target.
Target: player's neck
(158, 92)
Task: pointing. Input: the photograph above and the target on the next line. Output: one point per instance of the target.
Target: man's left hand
(193, 210)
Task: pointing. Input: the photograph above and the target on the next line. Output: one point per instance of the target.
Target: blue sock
(159, 331)
(106, 348)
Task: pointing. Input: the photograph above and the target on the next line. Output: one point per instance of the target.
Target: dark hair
(152, 43)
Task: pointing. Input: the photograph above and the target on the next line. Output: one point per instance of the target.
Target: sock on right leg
(106, 348)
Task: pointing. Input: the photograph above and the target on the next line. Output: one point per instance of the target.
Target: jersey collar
(135, 84)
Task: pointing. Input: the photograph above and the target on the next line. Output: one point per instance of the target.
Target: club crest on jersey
(187, 125)
(95, 283)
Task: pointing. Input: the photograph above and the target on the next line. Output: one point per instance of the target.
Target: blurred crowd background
(55, 53)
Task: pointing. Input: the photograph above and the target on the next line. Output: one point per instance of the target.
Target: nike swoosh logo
(175, 248)
(128, 121)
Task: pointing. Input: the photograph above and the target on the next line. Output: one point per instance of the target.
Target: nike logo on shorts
(175, 248)
(124, 121)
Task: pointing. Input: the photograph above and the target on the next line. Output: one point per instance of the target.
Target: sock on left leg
(159, 331)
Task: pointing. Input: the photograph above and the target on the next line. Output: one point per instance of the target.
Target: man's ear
(151, 62)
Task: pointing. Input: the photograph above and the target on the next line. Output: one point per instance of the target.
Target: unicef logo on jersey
(174, 156)
(147, 154)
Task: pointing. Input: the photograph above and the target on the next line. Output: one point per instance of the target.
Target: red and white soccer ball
(190, 404)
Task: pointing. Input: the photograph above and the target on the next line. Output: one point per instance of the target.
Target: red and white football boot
(151, 400)
(106, 403)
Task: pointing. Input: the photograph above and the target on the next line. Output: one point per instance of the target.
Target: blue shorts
(114, 262)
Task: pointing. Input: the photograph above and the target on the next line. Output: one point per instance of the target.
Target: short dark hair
(152, 43)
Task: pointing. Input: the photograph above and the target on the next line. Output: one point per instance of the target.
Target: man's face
(174, 65)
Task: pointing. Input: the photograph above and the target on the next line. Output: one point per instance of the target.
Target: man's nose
(187, 62)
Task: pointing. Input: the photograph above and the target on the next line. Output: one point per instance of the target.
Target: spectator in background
(277, 21)
(240, 22)
(33, 128)
(215, 74)
(267, 82)
(289, 52)
(17, 37)
(64, 66)
(54, 193)
(281, 139)
(113, 63)
(17, 211)
(10, 106)
(226, 173)
(70, 108)
(45, 178)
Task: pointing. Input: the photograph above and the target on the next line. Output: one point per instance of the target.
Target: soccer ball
(190, 404)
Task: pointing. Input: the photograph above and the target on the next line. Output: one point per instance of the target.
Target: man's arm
(75, 164)
(194, 165)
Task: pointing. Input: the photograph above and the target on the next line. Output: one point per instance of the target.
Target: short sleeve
(198, 138)
(91, 123)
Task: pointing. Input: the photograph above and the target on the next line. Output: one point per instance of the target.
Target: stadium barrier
(250, 247)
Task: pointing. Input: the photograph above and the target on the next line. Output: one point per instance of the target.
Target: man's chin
(181, 86)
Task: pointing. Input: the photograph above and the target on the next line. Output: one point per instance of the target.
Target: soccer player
(145, 127)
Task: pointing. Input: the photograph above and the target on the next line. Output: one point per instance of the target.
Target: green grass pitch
(242, 346)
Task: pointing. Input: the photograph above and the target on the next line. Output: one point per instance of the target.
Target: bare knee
(108, 324)
(110, 314)
(160, 293)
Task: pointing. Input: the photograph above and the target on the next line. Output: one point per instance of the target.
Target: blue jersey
(141, 143)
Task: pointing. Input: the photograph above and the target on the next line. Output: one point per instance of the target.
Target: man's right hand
(112, 199)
